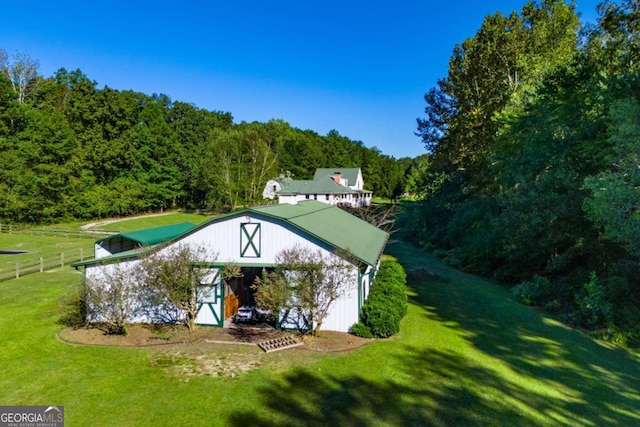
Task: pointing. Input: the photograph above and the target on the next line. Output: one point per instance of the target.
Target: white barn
(251, 238)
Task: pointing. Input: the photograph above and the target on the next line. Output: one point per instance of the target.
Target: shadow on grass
(304, 398)
(595, 384)
(503, 364)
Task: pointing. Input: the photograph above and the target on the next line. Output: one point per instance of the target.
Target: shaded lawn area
(467, 355)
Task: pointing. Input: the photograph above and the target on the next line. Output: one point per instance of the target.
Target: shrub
(593, 308)
(533, 292)
(382, 317)
(74, 307)
(361, 330)
(387, 302)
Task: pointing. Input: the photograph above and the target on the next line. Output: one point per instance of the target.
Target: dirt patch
(180, 339)
(215, 352)
(329, 341)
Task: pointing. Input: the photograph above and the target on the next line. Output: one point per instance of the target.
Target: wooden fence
(14, 270)
(52, 231)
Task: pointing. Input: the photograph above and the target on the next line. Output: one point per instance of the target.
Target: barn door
(232, 293)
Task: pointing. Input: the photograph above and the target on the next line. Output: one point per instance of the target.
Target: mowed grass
(150, 221)
(40, 246)
(467, 355)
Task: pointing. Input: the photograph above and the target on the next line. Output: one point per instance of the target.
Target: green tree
(307, 280)
(614, 200)
(175, 277)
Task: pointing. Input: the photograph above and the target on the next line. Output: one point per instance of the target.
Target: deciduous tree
(308, 280)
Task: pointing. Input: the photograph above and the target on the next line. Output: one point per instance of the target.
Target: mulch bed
(178, 337)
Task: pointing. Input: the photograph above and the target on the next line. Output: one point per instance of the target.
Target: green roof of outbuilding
(327, 223)
(333, 225)
(120, 256)
(153, 236)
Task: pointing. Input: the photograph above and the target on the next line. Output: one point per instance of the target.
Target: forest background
(531, 177)
(71, 150)
(535, 175)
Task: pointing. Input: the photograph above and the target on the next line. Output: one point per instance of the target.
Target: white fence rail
(14, 270)
(52, 231)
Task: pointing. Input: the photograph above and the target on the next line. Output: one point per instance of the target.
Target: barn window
(250, 240)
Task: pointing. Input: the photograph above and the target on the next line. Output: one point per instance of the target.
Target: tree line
(69, 149)
(534, 175)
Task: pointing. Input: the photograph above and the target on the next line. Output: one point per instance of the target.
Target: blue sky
(359, 67)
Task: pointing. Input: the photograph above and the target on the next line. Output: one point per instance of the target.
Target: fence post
(62, 259)
(81, 255)
(17, 270)
(41, 264)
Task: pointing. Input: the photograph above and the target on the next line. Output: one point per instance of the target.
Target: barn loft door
(250, 240)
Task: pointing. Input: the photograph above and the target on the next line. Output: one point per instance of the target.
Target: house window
(315, 197)
(250, 240)
(326, 197)
(306, 196)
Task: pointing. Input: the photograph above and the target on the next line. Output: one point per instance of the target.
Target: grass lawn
(142, 222)
(467, 354)
(36, 247)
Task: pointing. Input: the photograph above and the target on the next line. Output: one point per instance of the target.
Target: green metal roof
(339, 229)
(153, 236)
(351, 174)
(120, 256)
(321, 186)
(333, 225)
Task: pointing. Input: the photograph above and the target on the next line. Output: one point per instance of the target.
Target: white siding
(223, 240)
(344, 312)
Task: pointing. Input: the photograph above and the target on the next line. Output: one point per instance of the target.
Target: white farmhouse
(333, 186)
(251, 238)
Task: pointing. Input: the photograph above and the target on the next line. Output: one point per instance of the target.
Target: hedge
(387, 302)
